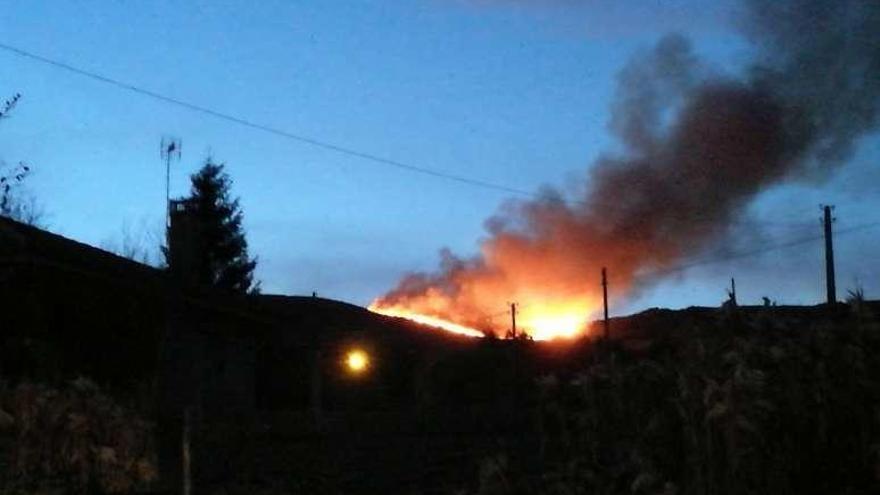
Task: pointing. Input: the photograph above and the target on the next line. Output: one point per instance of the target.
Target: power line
(756, 252)
(335, 147)
(266, 128)
(739, 255)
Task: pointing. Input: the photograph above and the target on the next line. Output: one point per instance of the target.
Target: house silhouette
(177, 351)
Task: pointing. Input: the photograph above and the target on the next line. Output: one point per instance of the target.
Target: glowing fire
(427, 320)
(563, 321)
(541, 322)
(553, 276)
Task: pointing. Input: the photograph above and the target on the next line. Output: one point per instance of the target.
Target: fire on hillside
(695, 147)
(547, 321)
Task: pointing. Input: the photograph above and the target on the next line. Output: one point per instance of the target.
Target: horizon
(523, 102)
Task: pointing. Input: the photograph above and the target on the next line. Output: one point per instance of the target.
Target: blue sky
(509, 92)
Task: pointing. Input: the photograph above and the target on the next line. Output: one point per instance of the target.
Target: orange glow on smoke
(552, 271)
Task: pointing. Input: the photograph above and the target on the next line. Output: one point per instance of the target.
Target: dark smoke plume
(697, 147)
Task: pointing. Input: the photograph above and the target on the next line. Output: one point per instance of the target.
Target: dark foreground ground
(698, 401)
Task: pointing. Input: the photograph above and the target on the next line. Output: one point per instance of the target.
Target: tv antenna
(169, 150)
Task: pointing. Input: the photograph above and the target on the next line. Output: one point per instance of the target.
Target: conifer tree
(224, 259)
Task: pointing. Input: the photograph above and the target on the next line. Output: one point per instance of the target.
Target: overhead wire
(326, 145)
(757, 251)
(471, 181)
(646, 276)
(265, 128)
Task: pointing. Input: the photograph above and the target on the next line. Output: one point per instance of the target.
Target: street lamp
(357, 361)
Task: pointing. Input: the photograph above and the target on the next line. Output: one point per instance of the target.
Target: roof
(305, 319)
(32, 247)
(21, 243)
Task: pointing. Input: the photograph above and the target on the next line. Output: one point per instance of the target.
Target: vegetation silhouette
(223, 258)
(14, 203)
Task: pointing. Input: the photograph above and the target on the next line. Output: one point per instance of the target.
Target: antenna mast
(169, 150)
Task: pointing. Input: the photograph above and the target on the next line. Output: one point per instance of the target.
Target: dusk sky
(515, 93)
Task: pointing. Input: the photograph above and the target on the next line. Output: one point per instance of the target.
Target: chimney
(184, 241)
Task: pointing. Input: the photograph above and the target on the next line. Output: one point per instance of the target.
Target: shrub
(72, 439)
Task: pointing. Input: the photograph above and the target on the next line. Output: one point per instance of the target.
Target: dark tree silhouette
(9, 104)
(224, 260)
(9, 179)
(14, 203)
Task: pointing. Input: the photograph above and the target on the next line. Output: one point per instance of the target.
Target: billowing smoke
(697, 144)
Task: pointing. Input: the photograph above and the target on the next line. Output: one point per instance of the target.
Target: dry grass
(753, 404)
(72, 439)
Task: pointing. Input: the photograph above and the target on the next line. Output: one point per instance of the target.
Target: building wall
(204, 364)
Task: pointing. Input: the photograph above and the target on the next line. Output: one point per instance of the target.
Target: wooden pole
(513, 320)
(829, 258)
(605, 302)
(167, 197)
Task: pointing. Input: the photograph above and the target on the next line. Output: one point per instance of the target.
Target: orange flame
(555, 320)
(552, 275)
(548, 321)
(431, 321)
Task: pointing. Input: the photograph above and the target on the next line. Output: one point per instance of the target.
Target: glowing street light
(357, 361)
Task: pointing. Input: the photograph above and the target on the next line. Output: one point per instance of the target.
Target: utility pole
(513, 320)
(605, 302)
(733, 290)
(829, 257)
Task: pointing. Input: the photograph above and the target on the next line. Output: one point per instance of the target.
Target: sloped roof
(25, 243)
(312, 318)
